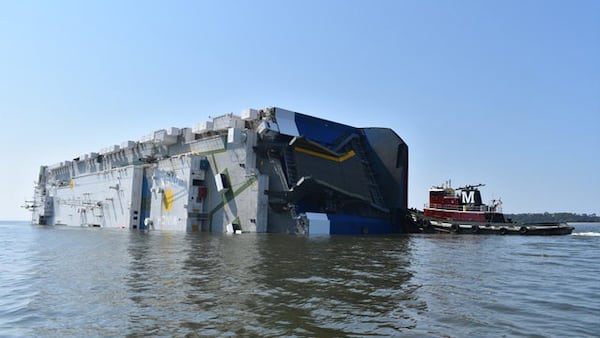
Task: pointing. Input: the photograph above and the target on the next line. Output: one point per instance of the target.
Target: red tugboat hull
(464, 216)
(464, 212)
(529, 229)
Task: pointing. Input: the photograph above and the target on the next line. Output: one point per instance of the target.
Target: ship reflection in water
(270, 285)
(64, 281)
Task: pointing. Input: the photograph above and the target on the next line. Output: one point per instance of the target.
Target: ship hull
(465, 213)
(485, 228)
(269, 170)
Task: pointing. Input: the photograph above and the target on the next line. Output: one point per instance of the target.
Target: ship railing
(477, 208)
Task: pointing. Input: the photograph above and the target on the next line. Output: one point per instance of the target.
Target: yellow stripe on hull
(342, 158)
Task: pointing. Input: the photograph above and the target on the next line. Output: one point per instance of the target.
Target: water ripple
(101, 282)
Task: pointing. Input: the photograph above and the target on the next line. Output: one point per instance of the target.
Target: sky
(505, 93)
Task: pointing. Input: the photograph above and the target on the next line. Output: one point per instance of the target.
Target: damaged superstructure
(269, 170)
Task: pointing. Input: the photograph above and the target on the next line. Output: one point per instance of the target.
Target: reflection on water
(80, 282)
(334, 285)
(269, 285)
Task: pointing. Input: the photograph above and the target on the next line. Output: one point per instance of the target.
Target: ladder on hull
(376, 197)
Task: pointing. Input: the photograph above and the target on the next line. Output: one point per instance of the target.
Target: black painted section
(388, 156)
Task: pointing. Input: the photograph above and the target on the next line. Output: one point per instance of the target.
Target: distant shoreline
(564, 217)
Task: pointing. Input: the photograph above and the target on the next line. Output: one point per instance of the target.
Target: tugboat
(461, 210)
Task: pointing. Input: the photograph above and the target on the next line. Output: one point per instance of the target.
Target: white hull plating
(109, 198)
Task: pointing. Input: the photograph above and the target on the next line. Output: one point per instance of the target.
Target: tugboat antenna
(469, 187)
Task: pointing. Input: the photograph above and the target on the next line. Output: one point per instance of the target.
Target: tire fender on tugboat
(455, 228)
(428, 227)
(503, 231)
(523, 230)
(474, 229)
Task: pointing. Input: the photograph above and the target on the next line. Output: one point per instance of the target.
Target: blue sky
(505, 93)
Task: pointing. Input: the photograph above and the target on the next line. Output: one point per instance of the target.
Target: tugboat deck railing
(477, 208)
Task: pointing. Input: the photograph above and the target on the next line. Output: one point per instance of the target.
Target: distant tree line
(553, 217)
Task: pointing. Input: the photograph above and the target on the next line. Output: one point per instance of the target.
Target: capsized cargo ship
(268, 170)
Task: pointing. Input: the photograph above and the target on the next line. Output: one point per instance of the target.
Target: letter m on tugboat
(468, 197)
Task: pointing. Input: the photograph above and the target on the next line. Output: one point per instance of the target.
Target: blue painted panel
(322, 131)
(352, 224)
(204, 164)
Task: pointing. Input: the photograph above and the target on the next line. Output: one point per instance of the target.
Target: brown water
(60, 281)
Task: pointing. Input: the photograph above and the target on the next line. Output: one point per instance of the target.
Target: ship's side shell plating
(269, 170)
